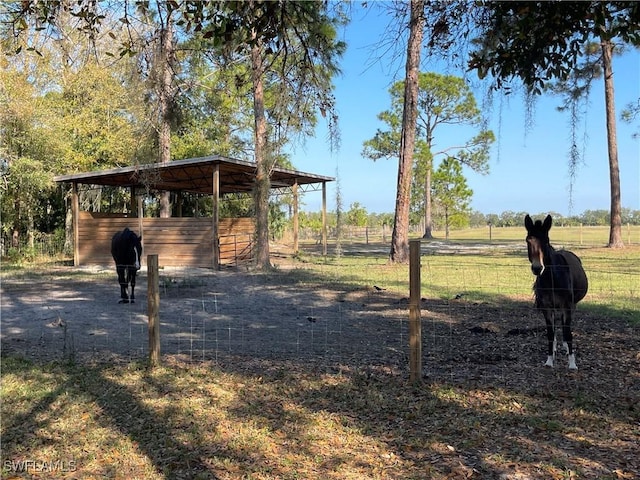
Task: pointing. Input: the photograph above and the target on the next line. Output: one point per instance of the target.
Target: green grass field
(486, 271)
(560, 236)
(585, 236)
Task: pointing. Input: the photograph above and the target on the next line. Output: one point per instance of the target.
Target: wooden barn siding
(178, 241)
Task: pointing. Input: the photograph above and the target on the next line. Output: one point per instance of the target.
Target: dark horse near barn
(126, 250)
(560, 284)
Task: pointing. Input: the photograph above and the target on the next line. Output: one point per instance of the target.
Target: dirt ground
(205, 315)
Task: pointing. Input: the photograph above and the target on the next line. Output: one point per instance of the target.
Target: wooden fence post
(153, 307)
(415, 326)
(581, 234)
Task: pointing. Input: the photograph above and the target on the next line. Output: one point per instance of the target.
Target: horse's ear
(547, 223)
(528, 223)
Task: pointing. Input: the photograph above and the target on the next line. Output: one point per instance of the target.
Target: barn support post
(324, 218)
(75, 218)
(133, 203)
(215, 217)
(179, 201)
(136, 209)
(153, 308)
(415, 324)
(140, 217)
(295, 217)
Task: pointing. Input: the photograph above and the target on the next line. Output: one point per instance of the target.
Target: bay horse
(126, 250)
(560, 284)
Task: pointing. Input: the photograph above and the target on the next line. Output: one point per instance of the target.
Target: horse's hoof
(572, 362)
(123, 300)
(549, 362)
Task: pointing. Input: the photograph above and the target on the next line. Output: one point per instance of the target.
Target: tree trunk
(446, 223)
(615, 231)
(165, 99)
(68, 228)
(428, 222)
(400, 237)
(31, 228)
(262, 186)
(15, 233)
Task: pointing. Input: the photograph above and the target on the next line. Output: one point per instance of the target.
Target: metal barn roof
(194, 175)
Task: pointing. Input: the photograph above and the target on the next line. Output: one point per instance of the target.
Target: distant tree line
(588, 217)
(358, 216)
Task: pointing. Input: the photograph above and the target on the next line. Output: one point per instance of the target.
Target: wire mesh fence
(40, 245)
(478, 320)
(203, 316)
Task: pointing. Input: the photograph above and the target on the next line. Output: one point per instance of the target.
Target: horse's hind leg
(567, 338)
(132, 278)
(551, 337)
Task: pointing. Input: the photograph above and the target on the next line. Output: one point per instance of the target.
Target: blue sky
(529, 163)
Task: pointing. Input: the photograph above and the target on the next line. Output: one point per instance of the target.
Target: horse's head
(537, 242)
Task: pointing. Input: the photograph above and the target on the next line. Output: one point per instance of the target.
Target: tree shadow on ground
(536, 423)
(119, 408)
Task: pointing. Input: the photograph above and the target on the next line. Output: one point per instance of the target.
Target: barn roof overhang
(195, 175)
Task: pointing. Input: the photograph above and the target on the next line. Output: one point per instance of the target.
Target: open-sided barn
(181, 241)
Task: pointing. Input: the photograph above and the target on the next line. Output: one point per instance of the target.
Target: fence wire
(478, 319)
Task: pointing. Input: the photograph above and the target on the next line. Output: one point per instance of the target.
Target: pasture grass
(561, 236)
(492, 273)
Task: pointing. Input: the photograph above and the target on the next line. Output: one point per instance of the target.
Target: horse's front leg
(122, 280)
(551, 337)
(567, 338)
